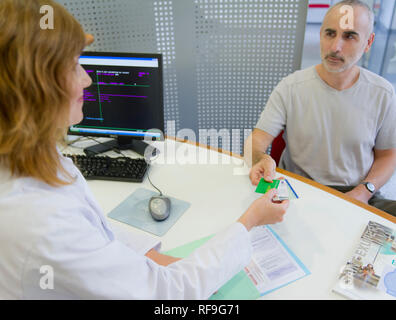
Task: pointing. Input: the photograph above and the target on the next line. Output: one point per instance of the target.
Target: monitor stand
(121, 143)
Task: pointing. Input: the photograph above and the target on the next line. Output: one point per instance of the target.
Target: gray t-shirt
(330, 134)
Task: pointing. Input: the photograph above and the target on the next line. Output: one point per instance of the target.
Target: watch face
(370, 186)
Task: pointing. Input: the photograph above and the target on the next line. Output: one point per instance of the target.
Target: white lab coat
(55, 243)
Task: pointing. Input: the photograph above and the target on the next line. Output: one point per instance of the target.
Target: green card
(288, 193)
(264, 186)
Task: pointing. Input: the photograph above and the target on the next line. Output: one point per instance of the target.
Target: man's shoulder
(300, 77)
(376, 82)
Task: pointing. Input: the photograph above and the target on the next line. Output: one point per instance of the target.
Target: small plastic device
(283, 192)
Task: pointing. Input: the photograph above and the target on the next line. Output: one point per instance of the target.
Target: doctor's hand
(160, 258)
(265, 168)
(264, 211)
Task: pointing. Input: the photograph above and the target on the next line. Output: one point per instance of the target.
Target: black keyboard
(107, 168)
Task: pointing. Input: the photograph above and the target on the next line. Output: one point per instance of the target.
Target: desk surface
(321, 228)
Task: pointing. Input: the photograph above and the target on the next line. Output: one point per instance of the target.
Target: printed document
(273, 265)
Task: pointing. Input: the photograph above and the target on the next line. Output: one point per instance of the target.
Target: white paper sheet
(272, 265)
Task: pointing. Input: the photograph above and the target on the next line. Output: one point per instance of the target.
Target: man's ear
(370, 42)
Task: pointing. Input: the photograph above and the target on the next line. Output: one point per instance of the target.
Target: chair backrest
(277, 147)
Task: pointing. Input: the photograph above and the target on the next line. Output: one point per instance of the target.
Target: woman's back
(33, 229)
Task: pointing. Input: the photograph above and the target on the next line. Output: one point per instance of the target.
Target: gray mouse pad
(134, 211)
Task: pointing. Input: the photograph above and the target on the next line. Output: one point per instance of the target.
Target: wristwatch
(369, 186)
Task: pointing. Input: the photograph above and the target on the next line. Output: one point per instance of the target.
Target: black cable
(148, 177)
(70, 143)
(125, 156)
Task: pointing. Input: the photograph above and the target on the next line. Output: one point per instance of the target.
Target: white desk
(320, 228)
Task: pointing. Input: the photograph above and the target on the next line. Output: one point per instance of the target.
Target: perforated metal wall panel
(222, 58)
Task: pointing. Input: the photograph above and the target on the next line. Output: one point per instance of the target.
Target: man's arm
(262, 165)
(381, 171)
(256, 145)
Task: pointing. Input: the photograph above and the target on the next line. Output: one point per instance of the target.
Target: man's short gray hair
(359, 3)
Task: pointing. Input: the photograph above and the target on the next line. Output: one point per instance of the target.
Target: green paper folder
(240, 287)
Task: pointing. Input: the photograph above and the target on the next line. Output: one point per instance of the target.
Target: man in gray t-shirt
(339, 120)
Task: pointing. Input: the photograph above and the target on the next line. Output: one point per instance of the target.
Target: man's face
(341, 47)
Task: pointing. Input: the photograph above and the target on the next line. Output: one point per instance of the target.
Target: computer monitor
(125, 100)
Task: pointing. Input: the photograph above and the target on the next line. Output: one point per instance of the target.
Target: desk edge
(313, 183)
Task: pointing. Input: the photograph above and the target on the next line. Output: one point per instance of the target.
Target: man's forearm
(253, 155)
(383, 167)
(258, 155)
(255, 146)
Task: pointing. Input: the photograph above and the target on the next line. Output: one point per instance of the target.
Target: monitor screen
(125, 98)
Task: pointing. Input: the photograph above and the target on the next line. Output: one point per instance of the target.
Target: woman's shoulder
(27, 201)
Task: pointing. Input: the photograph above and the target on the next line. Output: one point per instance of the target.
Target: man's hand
(360, 193)
(265, 168)
(264, 211)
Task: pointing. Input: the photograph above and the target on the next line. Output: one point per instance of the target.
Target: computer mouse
(159, 207)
